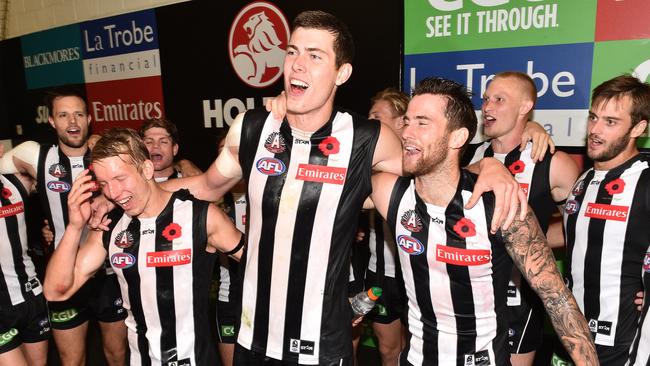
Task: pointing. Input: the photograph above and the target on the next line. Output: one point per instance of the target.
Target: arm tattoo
(530, 252)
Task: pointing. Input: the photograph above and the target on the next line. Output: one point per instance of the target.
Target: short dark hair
(398, 100)
(118, 141)
(459, 110)
(63, 91)
(163, 123)
(317, 19)
(626, 85)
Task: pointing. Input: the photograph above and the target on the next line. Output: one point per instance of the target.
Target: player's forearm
(60, 274)
(529, 251)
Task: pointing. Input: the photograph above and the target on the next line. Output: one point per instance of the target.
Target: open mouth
(156, 157)
(74, 131)
(488, 120)
(124, 202)
(410, 150)
(298, 86)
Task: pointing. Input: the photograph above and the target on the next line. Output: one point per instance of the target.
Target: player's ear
(343, 74)
(458, 137)
(147, 169)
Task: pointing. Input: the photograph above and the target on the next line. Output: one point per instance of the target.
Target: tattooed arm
(529, 250)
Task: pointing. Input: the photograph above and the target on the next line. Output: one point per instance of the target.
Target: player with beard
(307, 176)
(606, 217)
(455, 270)
(54, 168)
(508, 104)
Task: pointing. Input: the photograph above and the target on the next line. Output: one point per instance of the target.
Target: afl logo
(270, 166)
(578, 188)
(57, 170)
(571, 206)
(411, 221)
(275, 143)
(646, 262)
(124, 239)
(58, 186)
(257, 42)
(410, 245)
(122, 260)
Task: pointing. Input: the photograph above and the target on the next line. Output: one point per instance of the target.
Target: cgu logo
(445, 5)
(58, 186)
(410, 245)
(270, 166)
(122, 260)
(63, 316)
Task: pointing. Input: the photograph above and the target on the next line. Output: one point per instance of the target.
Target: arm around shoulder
(387, 156)
(21, 159)
(564, 173)
(382, 189)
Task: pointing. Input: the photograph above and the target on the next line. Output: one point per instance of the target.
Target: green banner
(458, 25)
(614, 58)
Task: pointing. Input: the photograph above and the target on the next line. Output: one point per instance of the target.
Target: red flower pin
(517, 167)
(6, 193)
(172, 231)
(465, 228)
(329, 146)
(615, 186)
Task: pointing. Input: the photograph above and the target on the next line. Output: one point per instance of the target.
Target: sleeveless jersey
(455, 273)
(18, 273)
(305, 194)
(640, 353)
(175, 174)
(54, 177)
(163, 271)
(235, 204)
(533, 178)
(607, 235)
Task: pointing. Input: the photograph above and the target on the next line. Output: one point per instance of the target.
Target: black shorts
(227, 314)
(247, 357)
(26, 322)
(390, 305)
(525, 319)
(98, 299)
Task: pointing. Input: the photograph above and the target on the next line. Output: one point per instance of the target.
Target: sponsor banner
(606, 212)
(608, 62)
(12, 210)
(120, 67)
(321, 174)
(124, 103)
(120, 34)
(462, 257)
(560, 72)
(616, 19)
(52, 57)
(443, 25)
(169, 258)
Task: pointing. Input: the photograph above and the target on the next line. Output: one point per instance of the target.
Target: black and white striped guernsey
(235, 205)
(533, 177)
(607, 236)
(54, 177)
(383, 250)
(640, 352)
(305, 194)
(455, 273)
(164, 274)
(19, 279)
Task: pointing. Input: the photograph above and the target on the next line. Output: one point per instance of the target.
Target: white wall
(28, 16)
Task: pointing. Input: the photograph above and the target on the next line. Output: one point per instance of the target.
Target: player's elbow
(56, 291)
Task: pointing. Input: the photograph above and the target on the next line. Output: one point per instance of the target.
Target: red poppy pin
(6, 193)
(517, 167)
(465, 228)
(172, 231)
(329, 146)
(615, 186)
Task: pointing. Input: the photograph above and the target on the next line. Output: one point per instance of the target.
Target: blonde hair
(121, 141)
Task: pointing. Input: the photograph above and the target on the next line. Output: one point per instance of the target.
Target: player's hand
(356, 321)
(101, 206)
(277, 106)
(638, 301)
(508, 198)
(79, 209)
(48, 235)
(187, 168)
(360, 235)
(541, 141)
